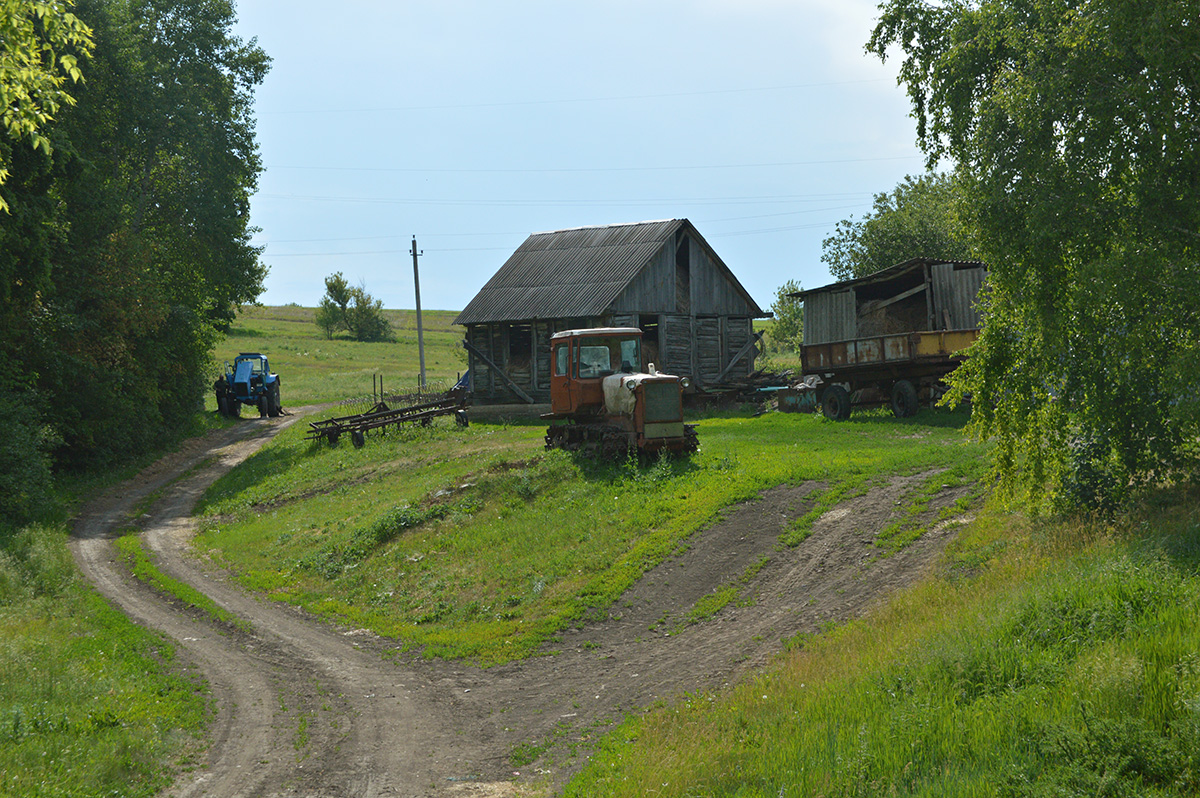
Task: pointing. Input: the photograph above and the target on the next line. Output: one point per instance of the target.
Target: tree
(364, 318)
(41, 46)
(786, 333)
(917, 219)
(128, 246)
(1072, 126)
(331, 313)
(352, 310)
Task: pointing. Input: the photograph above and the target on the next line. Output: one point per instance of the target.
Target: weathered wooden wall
(830, 316)
(955, 291)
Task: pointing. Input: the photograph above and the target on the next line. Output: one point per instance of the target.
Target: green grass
(90, 704)
(477, 543)
(1048, 659)
(314, 369)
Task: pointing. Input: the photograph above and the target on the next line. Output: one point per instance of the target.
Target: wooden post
(420, 332)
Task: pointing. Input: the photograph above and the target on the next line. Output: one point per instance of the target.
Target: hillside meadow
(315, 369)
(1041, 657)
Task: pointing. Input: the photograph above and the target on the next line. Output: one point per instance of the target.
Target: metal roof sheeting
(572, 273)
(888, 273)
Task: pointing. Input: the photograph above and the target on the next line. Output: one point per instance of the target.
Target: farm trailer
(890, 337)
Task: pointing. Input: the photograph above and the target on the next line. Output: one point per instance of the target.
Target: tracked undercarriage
(611, 442)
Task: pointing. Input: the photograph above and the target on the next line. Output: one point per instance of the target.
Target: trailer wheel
(904, 399)
(460, 418)
(357, 438)
(835, 403)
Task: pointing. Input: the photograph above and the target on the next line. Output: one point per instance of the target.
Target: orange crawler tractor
(601, 400)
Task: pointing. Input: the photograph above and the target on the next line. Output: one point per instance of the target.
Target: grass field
(314, 369)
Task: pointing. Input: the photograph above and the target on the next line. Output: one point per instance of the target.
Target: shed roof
(889, 273)
(578, 272)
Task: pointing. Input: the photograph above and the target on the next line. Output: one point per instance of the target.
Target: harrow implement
(381, 416)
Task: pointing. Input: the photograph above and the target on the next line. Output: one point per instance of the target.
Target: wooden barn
(661, 277)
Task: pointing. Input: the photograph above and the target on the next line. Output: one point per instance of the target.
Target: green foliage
(364, 318)
(1070, 127)
(919, 218)
(329, 317)
(128, 246)
(785, 332)
(351, 309)
(42, 45)
(25, 478)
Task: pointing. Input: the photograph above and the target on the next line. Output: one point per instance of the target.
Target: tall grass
(478, 543)
(90, 704)
(1068, 665)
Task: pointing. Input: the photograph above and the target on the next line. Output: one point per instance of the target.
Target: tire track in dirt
(306, 708)
(301, 708)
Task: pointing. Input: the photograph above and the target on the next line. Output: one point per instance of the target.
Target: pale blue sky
(472, 124)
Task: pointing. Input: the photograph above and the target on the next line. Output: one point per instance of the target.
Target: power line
(582, 169)
(576, 100)
(549, 202)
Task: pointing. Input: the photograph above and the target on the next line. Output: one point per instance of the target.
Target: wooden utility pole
(420, 332)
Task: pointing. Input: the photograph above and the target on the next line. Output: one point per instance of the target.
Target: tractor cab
(581, 359)
(248, 371)
(602, 400)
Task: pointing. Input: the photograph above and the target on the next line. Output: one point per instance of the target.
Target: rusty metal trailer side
(901, 368)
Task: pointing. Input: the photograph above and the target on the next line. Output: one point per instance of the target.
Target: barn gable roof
(575, 273)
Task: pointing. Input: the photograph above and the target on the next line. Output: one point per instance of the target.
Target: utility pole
(420, 332)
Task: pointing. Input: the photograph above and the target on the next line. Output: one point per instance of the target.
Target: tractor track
(305, 708)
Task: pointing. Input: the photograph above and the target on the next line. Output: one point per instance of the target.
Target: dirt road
(306, 708)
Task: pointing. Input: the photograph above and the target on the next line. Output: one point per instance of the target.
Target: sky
(470, 124)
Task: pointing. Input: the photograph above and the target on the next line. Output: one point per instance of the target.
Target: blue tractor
(248, 381)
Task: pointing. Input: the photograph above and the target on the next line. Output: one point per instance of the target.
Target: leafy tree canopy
(1073, 130)
(40, 46)
(917, 219)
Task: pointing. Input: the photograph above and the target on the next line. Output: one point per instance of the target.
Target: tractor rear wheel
(904, 399)
(835, 403)
(274, 407)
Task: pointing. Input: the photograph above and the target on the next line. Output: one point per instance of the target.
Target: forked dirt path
(306, 708)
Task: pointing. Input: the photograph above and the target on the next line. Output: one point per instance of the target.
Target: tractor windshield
(601, 356)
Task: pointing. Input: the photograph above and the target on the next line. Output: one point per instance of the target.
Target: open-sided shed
(661, 277)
